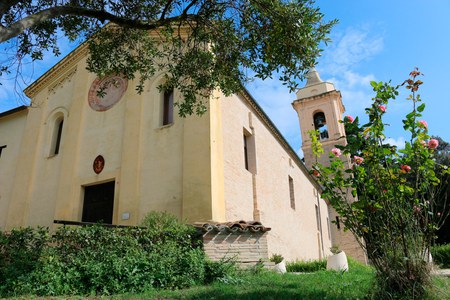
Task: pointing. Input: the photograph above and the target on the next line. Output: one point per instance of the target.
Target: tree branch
(20, 26)
(185, 11)
(5, 5)
(163, 14)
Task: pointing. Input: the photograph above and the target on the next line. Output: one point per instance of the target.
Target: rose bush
(394, 215)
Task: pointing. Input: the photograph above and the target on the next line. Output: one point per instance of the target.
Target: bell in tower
(319, 107)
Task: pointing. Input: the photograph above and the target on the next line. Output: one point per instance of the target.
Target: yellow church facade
(72, 155)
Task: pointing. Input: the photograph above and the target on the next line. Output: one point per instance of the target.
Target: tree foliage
(396, 213)
(201, 45)
(442, 158)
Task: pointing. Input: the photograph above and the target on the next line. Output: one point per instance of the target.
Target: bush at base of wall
(306, 266)
(441, 255)
(96, 260)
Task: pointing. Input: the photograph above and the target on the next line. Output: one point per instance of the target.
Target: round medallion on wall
(106, 92)
(99, 164)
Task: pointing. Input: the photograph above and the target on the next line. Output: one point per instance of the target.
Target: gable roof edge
(59, 68)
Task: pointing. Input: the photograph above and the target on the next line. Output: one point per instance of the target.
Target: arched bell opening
(320, 124)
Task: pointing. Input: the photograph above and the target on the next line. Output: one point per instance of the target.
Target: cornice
(62, 71)
(320, 96)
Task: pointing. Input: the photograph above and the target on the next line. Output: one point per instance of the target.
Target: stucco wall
(166, 168)
(11, 132)
(294, 232)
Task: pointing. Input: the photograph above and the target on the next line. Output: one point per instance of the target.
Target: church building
(77, 157)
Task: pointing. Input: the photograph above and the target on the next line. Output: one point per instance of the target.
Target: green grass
(355, 284)
(306, 266)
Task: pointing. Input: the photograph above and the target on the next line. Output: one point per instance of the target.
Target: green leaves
(200, 45)
(96, 260)
(395, 211)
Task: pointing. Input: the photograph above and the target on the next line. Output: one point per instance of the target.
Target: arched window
(167, 107)
(320, 124)
(57, 134)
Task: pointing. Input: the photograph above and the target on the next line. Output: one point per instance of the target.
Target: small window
(329, 228)
(57, 135)
(291, 192)
(167, 117)
(318, 218)
(246, 152)
(249, 152)
(1, 149)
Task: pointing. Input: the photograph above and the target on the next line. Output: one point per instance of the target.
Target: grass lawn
(356, 284)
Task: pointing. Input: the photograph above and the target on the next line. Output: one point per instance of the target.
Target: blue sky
(374, 40)
(381, 41)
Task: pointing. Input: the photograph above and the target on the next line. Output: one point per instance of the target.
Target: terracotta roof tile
(238, 226)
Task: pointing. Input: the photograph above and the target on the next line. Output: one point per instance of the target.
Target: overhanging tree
(207, 44)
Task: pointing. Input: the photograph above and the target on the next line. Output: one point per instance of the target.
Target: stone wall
(247, 247)
(244, 241)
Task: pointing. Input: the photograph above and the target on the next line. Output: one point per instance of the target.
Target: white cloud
(340, 62)
(399, 142)
(350, 48)
(275, 100)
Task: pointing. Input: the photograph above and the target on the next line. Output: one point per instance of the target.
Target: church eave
(13, 111)
(57, 70)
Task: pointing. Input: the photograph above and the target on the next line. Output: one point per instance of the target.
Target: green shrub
(306, 266)
(20, 251)
(220, 270)
(276, 258)
(96, 260)
(441, 255)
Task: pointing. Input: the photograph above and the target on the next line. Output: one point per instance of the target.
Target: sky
(377, 41)
(374, 41)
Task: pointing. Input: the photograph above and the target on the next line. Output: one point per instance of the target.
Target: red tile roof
(238, 226)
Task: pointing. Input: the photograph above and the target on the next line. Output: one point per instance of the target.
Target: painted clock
(106, 92)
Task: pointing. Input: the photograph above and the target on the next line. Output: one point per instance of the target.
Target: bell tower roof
(314, 85)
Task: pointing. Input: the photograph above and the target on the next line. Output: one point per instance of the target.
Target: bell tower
(319, 107)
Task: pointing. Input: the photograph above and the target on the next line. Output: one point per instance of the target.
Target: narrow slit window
(249, 152)
(167, 107)
(291, 192)
(318, 218)
(338, 222)
(57, 135)
(329, 228)
(246, 152)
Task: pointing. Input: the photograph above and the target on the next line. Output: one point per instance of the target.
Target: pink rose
(358, 160)
(405, 168)
(349, 118)
(382, 108)
(316, 173)
(423, 123)
(336, 151)
(433, 144)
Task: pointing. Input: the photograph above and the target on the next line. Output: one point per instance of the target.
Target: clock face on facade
(106, 92)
